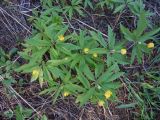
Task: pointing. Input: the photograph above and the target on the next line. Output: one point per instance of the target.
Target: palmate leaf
(50, 31)
(48, 77)
(87, 72)
(76, 59)
(76, 2)
(133, 54)
(111, 38)
(53, 9)
(53, 53)
(98, 51)
(89, 61)
(141, 25)
(63, 50)
(69, 46)
(119, 8)
(57, 93)
(74, 88)
(38, 42)
(114, 76)
(109, 60)
(105, 76)
(48, 90)
(99, 70)
(79, 11)
(82, 79)
(127, 34)
(81, 38)
(88, 3)
(38, 54)
(111, 74)
(63, 30)
(83, 98)
(111, 85)
(27, 68)
(56, 72)
(67, 78)
(59, 61)
(116, 57)
(139, 54)
(98, 37)
(149, 35)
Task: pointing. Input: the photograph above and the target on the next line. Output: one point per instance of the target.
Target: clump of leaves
(139, 38)
(83, 64)
(7, 66)
(70, 63)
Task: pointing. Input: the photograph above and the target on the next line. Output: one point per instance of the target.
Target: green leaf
(58, 62)
(88, 73)
(38, 42)
(84, 98)
(67, 77)
(88, 3)
(133, 55)
(114, 76)
(57, 93)
(47, 76)
(8, 82)
(19, 116)
(48, 91)
(69, 46)
(41, 80)
(26, 68)
(74, 88)
(119, 8)
(9, 113)
(149, 35)
(56, 72)
(44, 118)
(99, 70)
(136, 95)
(98, 37)
(82, 79)
(53, 53)
(131, 105)
(98, 51)
(111, 38)
(70, 11)
(141, 25)
(114, 85)
(139, 54)
(127, 34)
(75, 60)
(106, 76)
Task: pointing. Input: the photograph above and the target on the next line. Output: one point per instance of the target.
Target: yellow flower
(61, 38)
(108, 94)
(101, 103)
(150, 45)
(86, 50)
(123, 51)
(35, 73)
(95, 55)
(65, 94)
